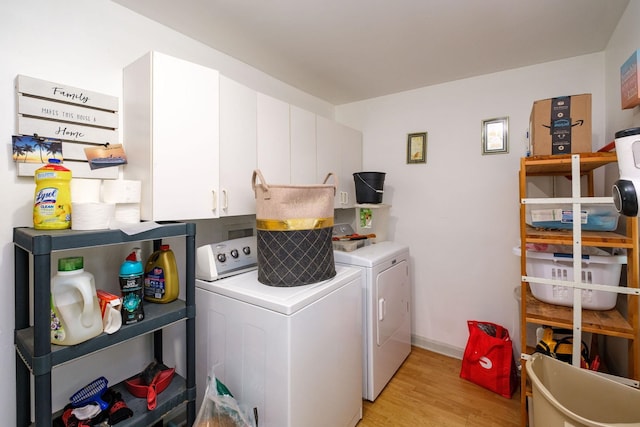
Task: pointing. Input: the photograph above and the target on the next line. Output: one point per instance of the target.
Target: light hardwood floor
(427, 391)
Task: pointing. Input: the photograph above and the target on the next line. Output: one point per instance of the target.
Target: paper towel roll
(85, 190)
(91, 216)
(121, 191)
(128, 213)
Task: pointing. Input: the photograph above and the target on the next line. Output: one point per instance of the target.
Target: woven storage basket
(294, 225)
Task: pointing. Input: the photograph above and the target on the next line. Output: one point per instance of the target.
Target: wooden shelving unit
(610, 322)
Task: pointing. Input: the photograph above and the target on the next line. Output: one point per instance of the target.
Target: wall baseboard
(437, 347)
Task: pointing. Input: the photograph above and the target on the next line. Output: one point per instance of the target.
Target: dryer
(386, 310)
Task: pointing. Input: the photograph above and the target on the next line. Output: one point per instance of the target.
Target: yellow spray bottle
(52, 200)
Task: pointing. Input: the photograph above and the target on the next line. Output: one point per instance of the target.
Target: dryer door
(392, 289)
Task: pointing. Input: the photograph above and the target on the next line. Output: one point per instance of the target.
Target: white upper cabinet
(193, 138)
(171, 136)
(238, 129)
(303, 146)
(339, 150)
(273, 148)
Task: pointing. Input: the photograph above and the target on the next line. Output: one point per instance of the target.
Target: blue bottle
(132, 288)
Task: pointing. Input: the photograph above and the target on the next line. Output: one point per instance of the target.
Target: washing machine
(292, 353)
(386, 310)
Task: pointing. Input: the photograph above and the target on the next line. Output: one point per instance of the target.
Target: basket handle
(335, 181)
(258, 174)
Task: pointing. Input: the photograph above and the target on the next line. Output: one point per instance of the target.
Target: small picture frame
(417, 147)
(495, 136)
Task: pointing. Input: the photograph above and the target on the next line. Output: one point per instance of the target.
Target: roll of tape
(121, 191)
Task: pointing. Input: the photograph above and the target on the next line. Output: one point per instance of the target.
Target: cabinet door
(274, 155)
(351, 161)
(172, 136)
(303, 146)
(238, 105)
(328, 151)
(185, 139)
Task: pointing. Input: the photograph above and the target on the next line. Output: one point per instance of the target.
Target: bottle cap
(129, 268)
(131, 265)
(71, 263)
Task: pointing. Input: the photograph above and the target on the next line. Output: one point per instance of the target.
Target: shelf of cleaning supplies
(172, 397)
(36, 356)
(156, 316)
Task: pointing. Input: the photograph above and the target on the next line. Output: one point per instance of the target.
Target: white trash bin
(565, 395)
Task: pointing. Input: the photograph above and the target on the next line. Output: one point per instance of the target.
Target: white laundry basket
(603, 269)
(565, 395)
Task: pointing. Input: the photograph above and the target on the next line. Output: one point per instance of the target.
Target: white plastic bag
(220, 409)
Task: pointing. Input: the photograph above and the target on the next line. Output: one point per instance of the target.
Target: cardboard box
(629, 82)
(561, 125)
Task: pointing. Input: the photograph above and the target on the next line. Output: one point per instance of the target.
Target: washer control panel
(219, 260)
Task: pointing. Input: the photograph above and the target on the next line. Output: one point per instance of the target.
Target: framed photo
(417, 147)
(495, 136)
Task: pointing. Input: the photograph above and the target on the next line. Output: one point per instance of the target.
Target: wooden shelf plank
(558, 165)
(606, 239)
(607, 322)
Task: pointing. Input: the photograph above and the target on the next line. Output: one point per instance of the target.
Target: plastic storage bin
(349, 245)
(560, 217)
(565, 395)
(603, 269)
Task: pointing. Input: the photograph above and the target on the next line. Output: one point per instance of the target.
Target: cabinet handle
(215, 200)
(225, 200)
(382, 306)
(346, 197)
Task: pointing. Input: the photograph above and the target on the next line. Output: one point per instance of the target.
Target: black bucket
(369, 186)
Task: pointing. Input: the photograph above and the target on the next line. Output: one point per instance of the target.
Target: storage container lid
(627, 132)
(71, 263)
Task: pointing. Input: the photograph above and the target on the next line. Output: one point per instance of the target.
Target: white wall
(459, 211)
(624, 41)
(85, 44)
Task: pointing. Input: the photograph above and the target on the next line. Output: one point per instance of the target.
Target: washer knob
(222, 257)
(234, 253)
(246, 250)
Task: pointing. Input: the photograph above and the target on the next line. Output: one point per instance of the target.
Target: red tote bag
(488, 358)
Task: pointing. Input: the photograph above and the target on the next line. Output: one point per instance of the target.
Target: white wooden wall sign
(78, 117)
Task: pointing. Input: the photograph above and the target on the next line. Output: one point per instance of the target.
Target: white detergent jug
(75, 311)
